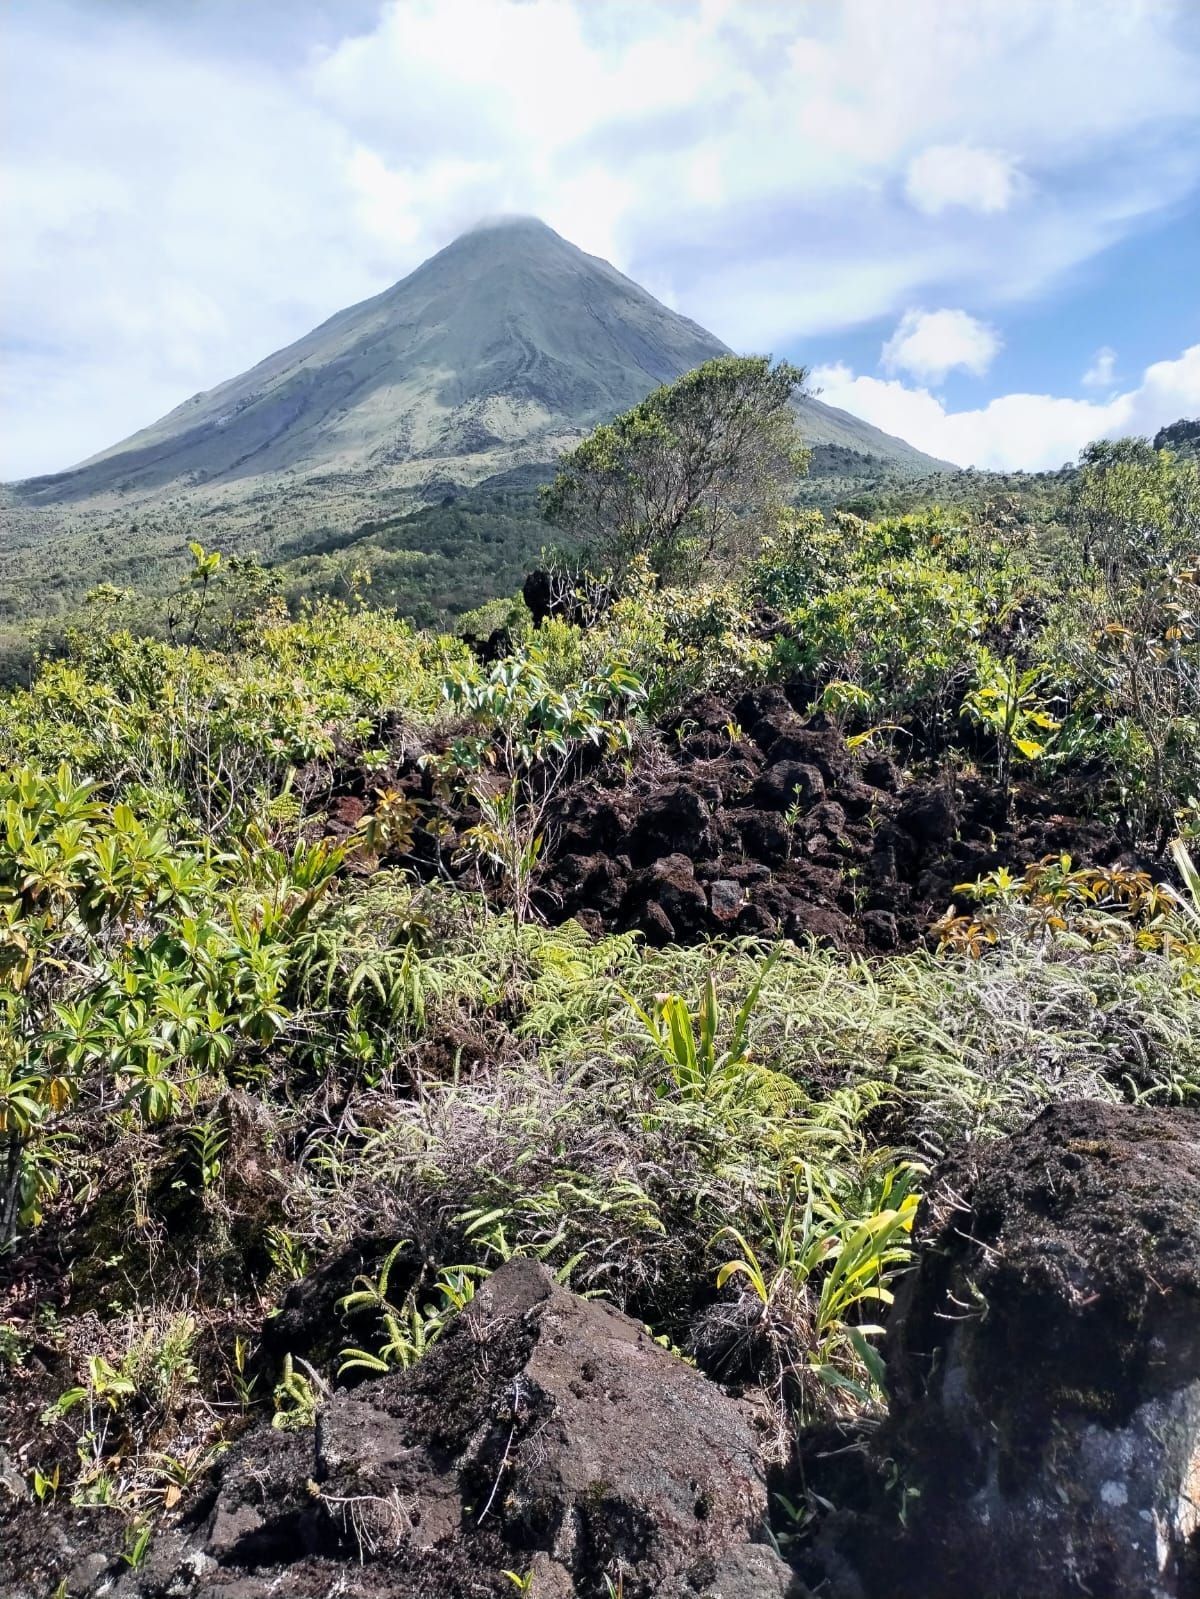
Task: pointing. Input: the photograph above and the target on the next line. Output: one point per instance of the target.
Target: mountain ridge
(502, 348)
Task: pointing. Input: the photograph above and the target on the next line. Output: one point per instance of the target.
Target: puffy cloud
(929, 344)
(392, 203)
(218, 178)
(947, 175)
(1016, 432)
(1168, 391)
(1103, 369)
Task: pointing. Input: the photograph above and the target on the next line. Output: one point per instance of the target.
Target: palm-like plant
(700, 1070)
(820, 1268)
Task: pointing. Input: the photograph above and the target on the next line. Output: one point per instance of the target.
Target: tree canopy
(691, 477)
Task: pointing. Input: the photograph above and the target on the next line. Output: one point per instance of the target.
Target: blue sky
(1137, 293)
(977, 221)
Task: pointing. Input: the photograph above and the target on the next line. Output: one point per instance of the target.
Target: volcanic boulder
(1044, 1362)
(676, 821)
(666, 901)
(542, 1433)
(929, 816)
(788, 782)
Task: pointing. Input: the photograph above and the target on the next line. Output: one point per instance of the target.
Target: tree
(1139, 646)
(691, 477)
(1136, 508)
(1182, 437)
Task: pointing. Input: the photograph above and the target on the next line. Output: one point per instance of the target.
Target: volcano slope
(492, 353)
(476, 369)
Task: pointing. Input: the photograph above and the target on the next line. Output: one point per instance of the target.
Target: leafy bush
(690, 478)
(235, 1050)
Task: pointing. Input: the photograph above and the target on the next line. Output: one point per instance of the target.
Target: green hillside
(693, 948)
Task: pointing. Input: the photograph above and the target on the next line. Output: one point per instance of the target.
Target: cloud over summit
(208, 182)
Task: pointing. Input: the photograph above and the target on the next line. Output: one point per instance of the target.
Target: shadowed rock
(542, 1433)
(1045, 1366)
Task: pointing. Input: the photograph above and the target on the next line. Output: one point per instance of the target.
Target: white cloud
(215, 179)
(1016, 432)
(947, 175)
(929, 344)
(1103, 369)
(392, 204)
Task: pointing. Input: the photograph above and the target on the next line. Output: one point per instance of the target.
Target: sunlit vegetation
(245, 1034)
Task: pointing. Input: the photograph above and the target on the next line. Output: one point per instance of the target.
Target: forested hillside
(681, 938)
(432, 564)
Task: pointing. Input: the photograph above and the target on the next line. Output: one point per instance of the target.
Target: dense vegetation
(429, 562)
(275, 1003)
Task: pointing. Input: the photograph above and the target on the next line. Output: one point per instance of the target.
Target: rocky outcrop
(1043, 1440)
(751, 818)
(543, 1433)
(1045, 1367)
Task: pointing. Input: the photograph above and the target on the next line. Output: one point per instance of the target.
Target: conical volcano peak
(500, 350)
(498, 243)
(520, 244)
(504, 233)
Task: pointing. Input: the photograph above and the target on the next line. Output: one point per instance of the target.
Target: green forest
(675, 938)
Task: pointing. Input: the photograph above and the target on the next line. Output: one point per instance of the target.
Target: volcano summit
(497, 352)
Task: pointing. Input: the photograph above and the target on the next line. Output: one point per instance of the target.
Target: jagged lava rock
(1044, 1361)
(542, 1433)
(666, 901)
(675, 821)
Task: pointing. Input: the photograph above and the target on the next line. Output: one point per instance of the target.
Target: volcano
(502, 349)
